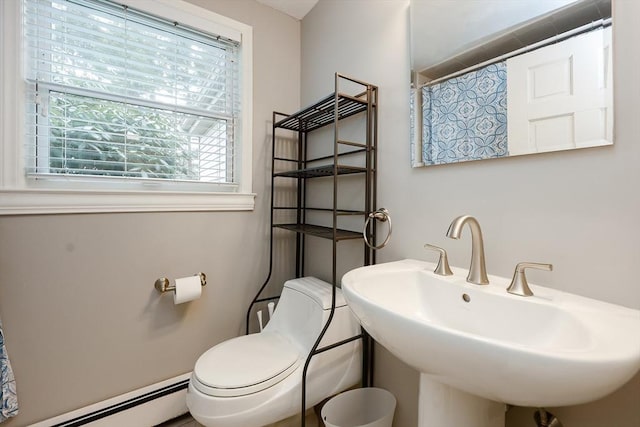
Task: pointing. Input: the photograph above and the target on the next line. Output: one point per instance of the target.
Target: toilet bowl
(256, 379)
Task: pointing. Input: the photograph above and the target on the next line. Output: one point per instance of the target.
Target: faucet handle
(519, 285)
(443, 262)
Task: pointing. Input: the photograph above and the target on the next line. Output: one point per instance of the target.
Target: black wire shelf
(319, 231)
(322, 113)
(320, 171)
(340, 212)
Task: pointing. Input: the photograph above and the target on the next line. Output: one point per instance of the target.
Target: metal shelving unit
(329, 112)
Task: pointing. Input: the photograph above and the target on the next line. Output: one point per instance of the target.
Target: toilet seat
(245, 365)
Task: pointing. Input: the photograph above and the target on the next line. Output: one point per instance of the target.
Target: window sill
(38, 202)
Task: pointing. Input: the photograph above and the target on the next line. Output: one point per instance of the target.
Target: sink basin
(551, 349)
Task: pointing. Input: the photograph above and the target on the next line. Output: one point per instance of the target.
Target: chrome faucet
(477, 269)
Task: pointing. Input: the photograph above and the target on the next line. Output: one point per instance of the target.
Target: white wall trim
(24, 202)
(151, 413)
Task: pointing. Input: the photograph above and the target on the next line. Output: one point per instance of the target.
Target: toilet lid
(245, 365)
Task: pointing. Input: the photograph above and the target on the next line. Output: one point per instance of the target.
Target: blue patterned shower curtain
(465, 118)
(8, 397)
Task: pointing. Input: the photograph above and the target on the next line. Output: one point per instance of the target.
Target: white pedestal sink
(479, 347)
(442, 405)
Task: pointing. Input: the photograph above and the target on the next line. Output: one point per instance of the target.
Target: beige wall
(82, 321)
(578, 210)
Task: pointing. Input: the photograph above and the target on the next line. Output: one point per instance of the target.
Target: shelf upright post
(372, 185)
(368, 205)
(373, 109)
(336, 137)
(300, 183)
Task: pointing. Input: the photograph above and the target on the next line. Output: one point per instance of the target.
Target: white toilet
(256, 379)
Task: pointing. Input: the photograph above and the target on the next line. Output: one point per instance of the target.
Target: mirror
(496, 78)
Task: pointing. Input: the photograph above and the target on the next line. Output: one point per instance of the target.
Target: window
(119, 101)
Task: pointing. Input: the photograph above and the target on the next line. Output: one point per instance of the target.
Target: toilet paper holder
(164, 285)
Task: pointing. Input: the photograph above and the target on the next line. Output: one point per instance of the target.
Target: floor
(188, 421)
(183, 421)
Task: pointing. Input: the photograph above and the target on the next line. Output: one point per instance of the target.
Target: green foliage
(98, 137)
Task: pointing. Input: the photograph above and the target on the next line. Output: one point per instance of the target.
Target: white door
(560, 96)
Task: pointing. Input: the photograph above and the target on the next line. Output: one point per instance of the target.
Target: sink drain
(466, 297)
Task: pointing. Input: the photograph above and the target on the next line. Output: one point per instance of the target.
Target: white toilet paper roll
(187, 289)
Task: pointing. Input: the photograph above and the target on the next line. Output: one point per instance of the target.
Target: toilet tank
(303, 309)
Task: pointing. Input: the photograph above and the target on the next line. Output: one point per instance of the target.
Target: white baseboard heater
(144, 407)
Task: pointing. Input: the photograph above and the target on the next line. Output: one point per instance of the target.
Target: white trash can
(362, 407)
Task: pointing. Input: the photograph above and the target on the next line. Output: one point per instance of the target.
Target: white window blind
(117, 94)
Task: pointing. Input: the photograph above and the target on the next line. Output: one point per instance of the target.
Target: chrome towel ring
(381, 215)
